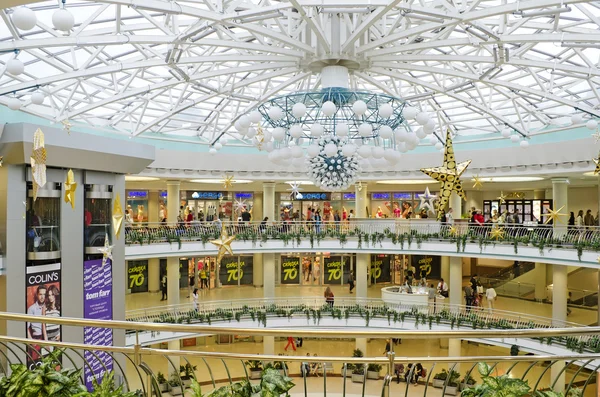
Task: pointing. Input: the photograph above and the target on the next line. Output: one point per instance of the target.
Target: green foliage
(272, 384)
(107, 388)
(374, 367)
(359, 368)
(451, 378)
(254, 365)
(500, 386)
(160, 378)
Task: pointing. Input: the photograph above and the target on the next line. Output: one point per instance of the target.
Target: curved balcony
(138, 366)
(560, 245)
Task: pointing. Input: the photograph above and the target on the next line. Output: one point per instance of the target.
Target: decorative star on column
(295, 190)
(67, 126)
(597, 162)
(223, 243)
(502, 198)
(552, 215)
(38, 162)
(359, 185)
(227, 181)
(427, 199)
(239, 205)
(497, 233)
(70, 187)
(106, 251)
(448, 175)
(477, 182)
(117, 216)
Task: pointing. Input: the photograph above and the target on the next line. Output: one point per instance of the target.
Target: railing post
(137, 349)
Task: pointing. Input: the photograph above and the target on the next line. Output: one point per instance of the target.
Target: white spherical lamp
(524, 143)
(212, 151)
(218, 146)
(413, 138)
(316, 130)
(275, 113)
(62, 19)
(37, 98)
(348, 150)
(278, 134)
(505, 133)
(402, 147)
(341, 130)
(330, 149)
(359, 108)
(515, 138)
(15, 67)
(24, 18)
(364, 151)
(297, 152)
(577, 118)
(299, 110)
(421, 133)
(285, 153)
(401, 135)
(386, 132)
(296, 131)
(313, 150)
(377, 152)
(251, 132)
(365, 130)
(422, 118)
(267, 136)
(255, 116)
(439, 146)
(386, 110)
(244, 122)
(391, 155)
(268, 147)
(329, 108)
(411, 145)
(591, 125)
(409, 112)
(14, 103)
(433, 140)
(273, 156)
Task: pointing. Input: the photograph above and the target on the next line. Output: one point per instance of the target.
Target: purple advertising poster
(97, 305)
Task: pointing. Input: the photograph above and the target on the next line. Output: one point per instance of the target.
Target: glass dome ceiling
(186, 70)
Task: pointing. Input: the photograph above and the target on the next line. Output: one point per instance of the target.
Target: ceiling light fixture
(407, 182)
(580, 45)
(138, 178)
(219, 181)
(541, 13)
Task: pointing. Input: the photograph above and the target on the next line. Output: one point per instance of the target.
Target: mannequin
(344, 214)
(379, 213)
(140, 214)
(397, 211)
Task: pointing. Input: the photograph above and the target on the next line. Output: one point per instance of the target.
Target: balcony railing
(402, 232)
(138, 366)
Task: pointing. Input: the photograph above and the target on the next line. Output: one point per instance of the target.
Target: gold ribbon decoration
(117, 216)
(223, 243)
(227, 181)
(70, 187)
(448, 175)
(38, 162)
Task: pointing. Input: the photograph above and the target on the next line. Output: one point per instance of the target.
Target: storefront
(137, 276)
(314, 269)
(236, 270)
(380, 269)
(326, 203)
(529, 210)
(395, 205)
(137, 204)
(429, 266)
(208, 206)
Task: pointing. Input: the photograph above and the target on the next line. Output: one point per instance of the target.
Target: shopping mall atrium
(190, 190)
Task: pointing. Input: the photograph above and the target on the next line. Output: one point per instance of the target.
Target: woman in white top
(491, 296)
(195, 297)
(162, 214)
(579, 220)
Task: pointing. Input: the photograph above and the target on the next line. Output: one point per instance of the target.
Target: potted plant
(187, 374)
(497, 385)
(467, 382)
(175, 385)
(358, 370)
(255, 367)
(373, 371)
(281, 366)
(162, 382)
(452, 385)
(440, 378)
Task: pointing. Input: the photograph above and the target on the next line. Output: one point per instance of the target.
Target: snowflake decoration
(427, 199)
(295, 190)
(239, 205)
(332, 173)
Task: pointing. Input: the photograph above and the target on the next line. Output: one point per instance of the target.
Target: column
(559, 294)
(361, 344)
(268, 275)
(560, 199)
(173, 202)
(454, 350)
(269, 345)
(540, 282)
(153, 207)
(154, 275)
(361, 276)
(269, 200)
(445, 268)
(257, 270)
(257, 207)
(559, 386)
(455, 282)
(173, 345)
(361, 200)
(598, 275)
(456, 205)
(172, 280)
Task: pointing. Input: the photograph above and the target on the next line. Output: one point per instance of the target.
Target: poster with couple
(42, 285)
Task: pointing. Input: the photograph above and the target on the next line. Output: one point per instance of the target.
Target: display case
(97, 217)
(530, 210)
(42, 220)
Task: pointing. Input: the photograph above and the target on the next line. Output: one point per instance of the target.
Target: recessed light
(511, 179)
(407, 182)
(219, 181)
(137, 178)
(301, 182)
(590, 173)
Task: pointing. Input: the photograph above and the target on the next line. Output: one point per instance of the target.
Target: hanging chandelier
(336, 131)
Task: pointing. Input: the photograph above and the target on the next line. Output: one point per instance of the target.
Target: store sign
(236, 270)
(207, 195)
(42, 298)
(403, 196)
(349, 196)
(184, 272)
(334, 269)
(244, 196)
(97, 305)
(380, 196)
(430, 264)
(317, 196)
(137, 276)
(380, 269)
(290, 270)
(163, 195)
(137, 194)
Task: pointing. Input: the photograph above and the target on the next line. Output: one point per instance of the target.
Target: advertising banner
(42, 289)
(333, 269)
(430, 264)
(236, 270)
(246, 270)
(97, 305)
(380, 269)
(290, 270)
(137, 272)
(184, 272)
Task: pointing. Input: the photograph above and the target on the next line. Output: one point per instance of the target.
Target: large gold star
(223, 243)
(497, 233)
(477, 182)
(227, 181)
(448, 175)
(117, 216)
(597, 162)
(552, 215)
(454, 231)
(70, 187)
(502, 198)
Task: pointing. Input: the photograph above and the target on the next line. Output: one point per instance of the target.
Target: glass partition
(42, 221)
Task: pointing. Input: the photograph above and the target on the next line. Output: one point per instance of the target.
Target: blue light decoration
(207, 195)
(137, 194)
(332, 172)
(315, 196)
(163, 194)
(380, 196)
(242, 196)
(349, 196)
(403, 196)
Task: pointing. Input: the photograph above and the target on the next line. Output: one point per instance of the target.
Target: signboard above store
(315, 196)
(380, 196)
(137, 194)
(207, 195)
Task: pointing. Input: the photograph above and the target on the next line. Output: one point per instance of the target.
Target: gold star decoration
(70, 187)
(454, 231)
(38, 162)
(502, 198)
(117, 216)
(477, 182)
(106, 251)
(552, 215)
(227, 181)
(223, 243)
(497, 233)
(597, 162)
(67, 126)
(448, 175)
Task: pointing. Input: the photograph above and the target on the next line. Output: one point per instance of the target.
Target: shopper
(569, 297)
(351, 281)
(491, 296)
(588, 221)
(450, 217)
(290, 340)
(442, 288)
(203, 278)
(162, 214)
(195, 298)
(329, 297)
(468, 297)
(579, 220)
(191, 284)
(163, 287)
(571, 223)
